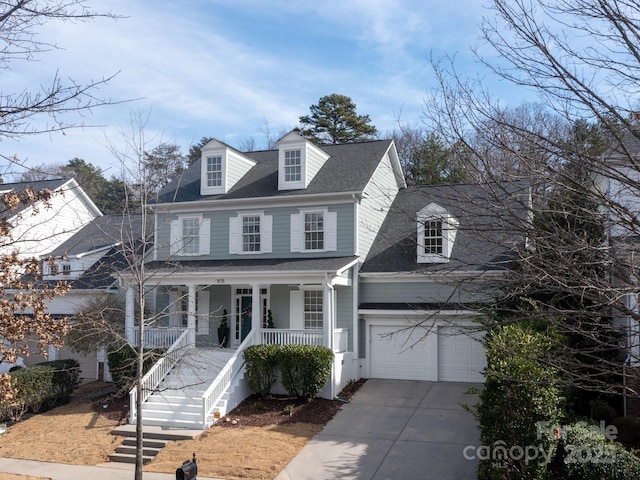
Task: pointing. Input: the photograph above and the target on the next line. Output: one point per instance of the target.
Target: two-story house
(283, 235)
(39, 229)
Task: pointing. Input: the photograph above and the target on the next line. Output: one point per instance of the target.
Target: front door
(243, 313)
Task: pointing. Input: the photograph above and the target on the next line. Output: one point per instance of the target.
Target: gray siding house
(312, 244)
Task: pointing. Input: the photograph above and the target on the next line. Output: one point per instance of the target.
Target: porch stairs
(174, 410)
(176, 403)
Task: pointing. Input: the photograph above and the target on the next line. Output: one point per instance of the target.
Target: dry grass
(73, 434)
(238, 453)
(78, 434)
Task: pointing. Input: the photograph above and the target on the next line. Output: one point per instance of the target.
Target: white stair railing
(223, 381)
(156, 374)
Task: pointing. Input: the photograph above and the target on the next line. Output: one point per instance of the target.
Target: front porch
(259, 302)
(191, 387)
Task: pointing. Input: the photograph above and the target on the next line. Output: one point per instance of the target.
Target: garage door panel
(461, 355)
(401, 354)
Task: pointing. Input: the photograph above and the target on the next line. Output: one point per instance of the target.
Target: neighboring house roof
(349, 169)
(102, 232)
(56, 184)
(487, 234)
(110, 233)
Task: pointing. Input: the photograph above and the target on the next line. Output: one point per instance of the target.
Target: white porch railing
(225, 377)
(291, 337)
(157, 373)
(158, 337)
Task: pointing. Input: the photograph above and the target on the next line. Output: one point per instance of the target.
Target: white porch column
(256, 308)
(328, 325)
(191, 314)
(129, 315)
(328, 315)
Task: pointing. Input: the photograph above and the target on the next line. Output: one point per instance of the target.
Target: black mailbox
(188, 470)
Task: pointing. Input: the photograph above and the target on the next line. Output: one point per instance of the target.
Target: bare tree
(48, 109)
(580, 149)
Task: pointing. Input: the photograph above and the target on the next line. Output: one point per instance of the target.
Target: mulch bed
(258, 411)
(253, 412)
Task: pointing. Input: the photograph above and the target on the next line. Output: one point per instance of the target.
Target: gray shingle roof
(490, 218)
(36, 186)
(348, 169)
(101, 232)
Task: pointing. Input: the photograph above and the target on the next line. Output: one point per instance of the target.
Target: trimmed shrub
(305, 369)
(123, 365)
(520, 390)
(66, 377)
(262, 367)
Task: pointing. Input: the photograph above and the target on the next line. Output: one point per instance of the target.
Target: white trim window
(292, 166)
(313, 309)
(314, 231)
(190, 236)
(250, 233)
(436, 234)
(214, 171)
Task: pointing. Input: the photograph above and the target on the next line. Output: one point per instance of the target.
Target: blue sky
(227, 68)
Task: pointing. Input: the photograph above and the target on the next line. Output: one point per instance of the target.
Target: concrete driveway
(394, 429)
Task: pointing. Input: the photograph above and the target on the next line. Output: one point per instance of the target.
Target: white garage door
(461, 356)
(401, 354)
(88, 363)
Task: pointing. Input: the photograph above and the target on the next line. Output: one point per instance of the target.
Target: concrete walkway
(394, 429)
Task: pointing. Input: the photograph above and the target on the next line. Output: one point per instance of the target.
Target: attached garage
(88, 363)
(440, 353)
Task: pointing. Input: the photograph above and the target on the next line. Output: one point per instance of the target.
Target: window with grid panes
(190, 235)
(251, 233)
(433, 239)
(292, 166)
(214, 171)
(314, 231)
(313, 309)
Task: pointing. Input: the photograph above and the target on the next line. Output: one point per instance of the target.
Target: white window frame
(283, 168)
(293, 172)
(298, 312)
(176, 246)
(218, 174)
(205, 188)
(236, 243)
(318, 315)
(425, 240)
(330, 231)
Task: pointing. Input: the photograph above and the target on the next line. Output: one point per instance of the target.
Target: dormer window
(436, 234)
(299, 161)
(66, 269)
(214, 172)
(221, 167)
(292, 166)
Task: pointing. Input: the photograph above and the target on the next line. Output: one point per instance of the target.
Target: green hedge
(123, 365)
(262, 367)
(305, 369)
(520, 390)
(47, 383)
